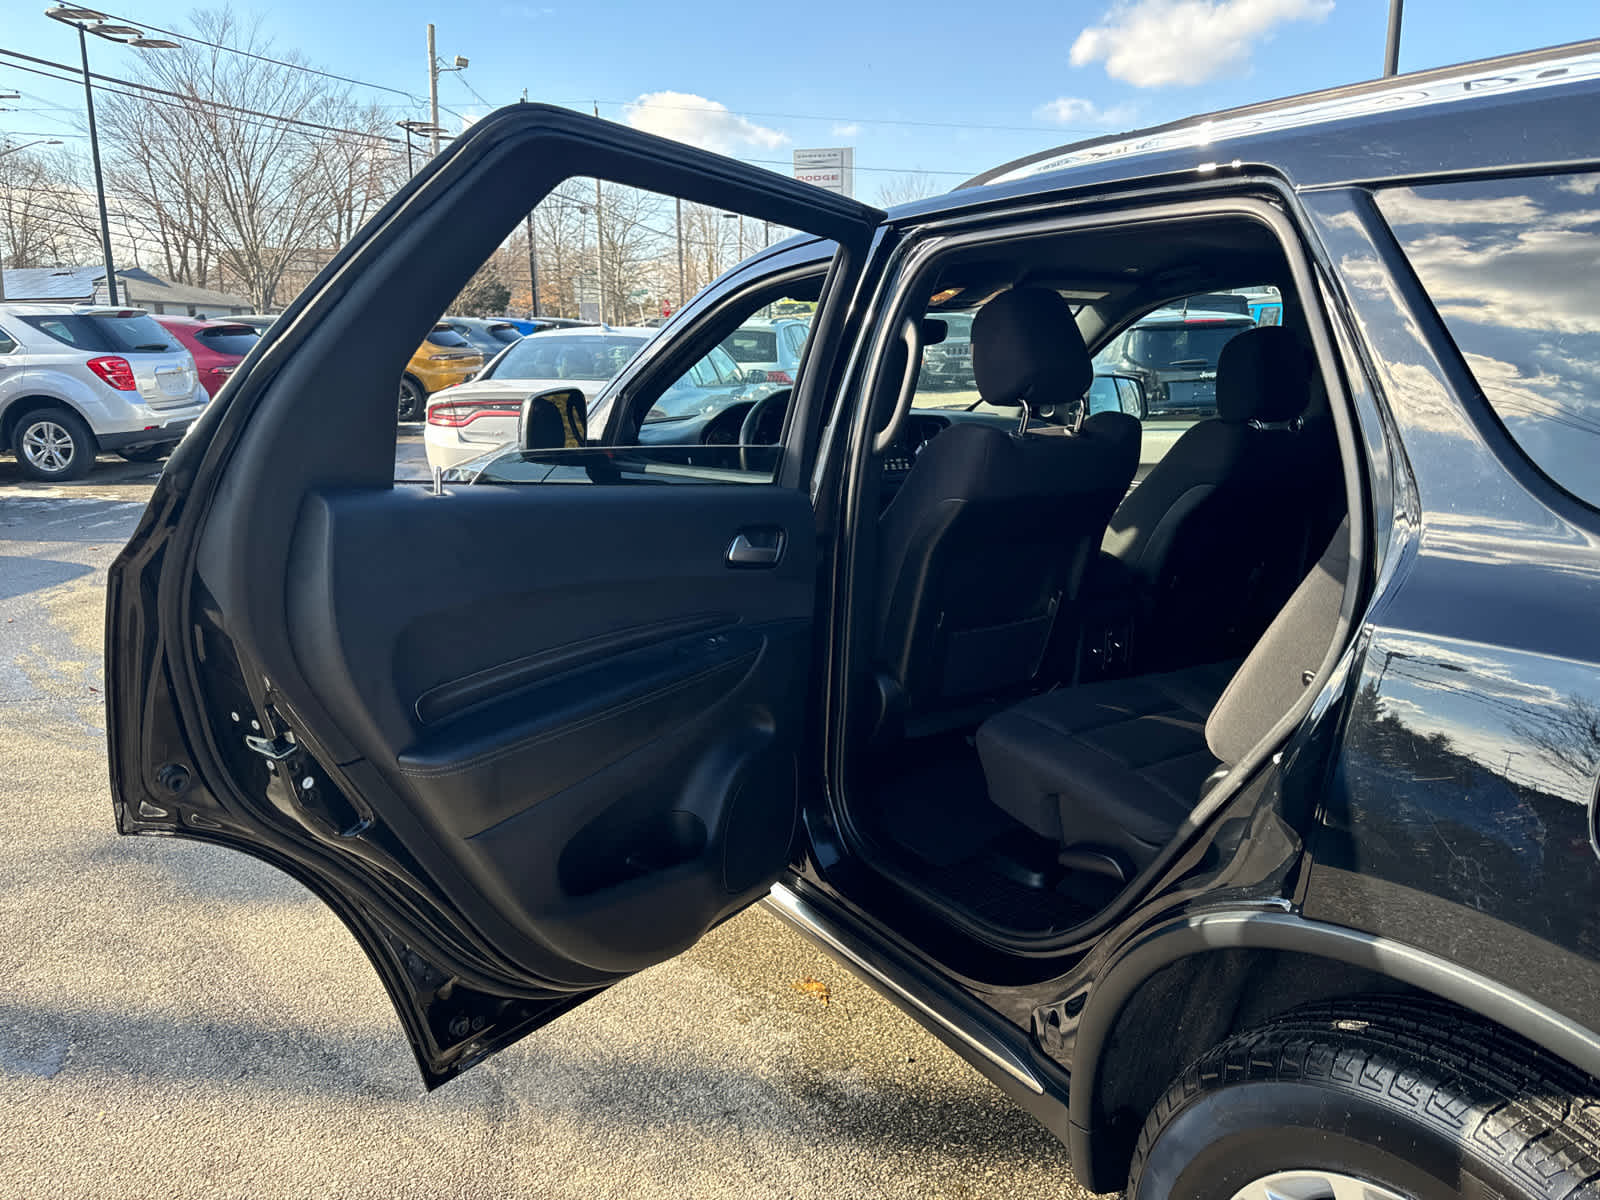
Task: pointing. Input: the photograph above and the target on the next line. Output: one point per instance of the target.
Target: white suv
(77, 379)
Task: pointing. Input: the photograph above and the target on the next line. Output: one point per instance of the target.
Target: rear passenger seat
(1117, 766)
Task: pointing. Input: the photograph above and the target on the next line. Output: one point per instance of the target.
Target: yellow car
(443, 360)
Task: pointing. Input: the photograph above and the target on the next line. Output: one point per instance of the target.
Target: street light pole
(599, 242)
(126, 35)
(99, 179)
(1391, 50)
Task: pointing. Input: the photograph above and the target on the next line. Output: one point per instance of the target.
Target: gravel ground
(177, 1021)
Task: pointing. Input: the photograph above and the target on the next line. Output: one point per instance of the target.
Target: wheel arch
(18, 407)
(1258, 965)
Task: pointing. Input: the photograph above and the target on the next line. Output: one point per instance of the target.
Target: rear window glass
(1191, 345)
(752, 345)
(229, 339)
(1511, 266)
(505, 333)
(449, 337)
(138, 333)
(554, 356)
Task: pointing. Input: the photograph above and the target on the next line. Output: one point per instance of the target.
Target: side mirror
(553, 420)
(1117, 393)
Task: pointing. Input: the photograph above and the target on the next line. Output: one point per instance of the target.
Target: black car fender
(1099, 1151)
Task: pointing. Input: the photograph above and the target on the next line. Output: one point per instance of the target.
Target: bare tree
(45, 221)
(234, 199)
(902, 189)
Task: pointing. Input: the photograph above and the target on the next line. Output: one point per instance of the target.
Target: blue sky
(758, 80)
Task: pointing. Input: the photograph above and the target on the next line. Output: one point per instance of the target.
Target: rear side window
(445, 336)
(229, 339)
(7, 342)
(106, 333)
(752, 345)
(1513, 268)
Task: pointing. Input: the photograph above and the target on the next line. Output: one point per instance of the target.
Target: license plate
(1192, 393)
(174, 382)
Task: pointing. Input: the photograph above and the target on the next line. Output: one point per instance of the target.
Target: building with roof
(136, 288)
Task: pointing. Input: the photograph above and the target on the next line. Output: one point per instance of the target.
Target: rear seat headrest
(1263, 374)
(1026, 347)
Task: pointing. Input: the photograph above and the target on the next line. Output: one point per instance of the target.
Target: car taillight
(118, 372)
(779, 377)
(453, 414)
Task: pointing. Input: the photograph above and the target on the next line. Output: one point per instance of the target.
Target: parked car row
(78, 379)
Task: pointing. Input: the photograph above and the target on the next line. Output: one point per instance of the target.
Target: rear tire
(143, 454)
(53, 445)
(1376, 1101)
(413, 400)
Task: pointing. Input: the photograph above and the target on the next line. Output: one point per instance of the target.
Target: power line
(778, 116)
(75, 74)
(199, 41)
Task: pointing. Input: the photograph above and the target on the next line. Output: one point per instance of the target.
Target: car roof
(595, 331)
(1179, 316)
(25, 309)
(1533, 110)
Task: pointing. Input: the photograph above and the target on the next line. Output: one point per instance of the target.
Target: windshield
(587, 357)
(129, 332)
(1196, 346)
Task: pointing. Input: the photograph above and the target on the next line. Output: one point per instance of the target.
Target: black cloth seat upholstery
(1117, 764)
(1120, 764)
(1212, 542)
(985, 545)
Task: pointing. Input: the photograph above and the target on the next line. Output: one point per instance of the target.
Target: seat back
(983, 549)
(1220, 532)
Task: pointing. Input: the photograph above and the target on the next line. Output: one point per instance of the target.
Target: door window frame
(850, 626)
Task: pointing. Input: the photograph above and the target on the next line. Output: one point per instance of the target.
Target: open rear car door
(525, 740)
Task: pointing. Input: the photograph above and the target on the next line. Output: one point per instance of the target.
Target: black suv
(1240, 824)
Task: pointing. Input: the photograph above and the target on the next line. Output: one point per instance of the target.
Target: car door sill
(798, 911)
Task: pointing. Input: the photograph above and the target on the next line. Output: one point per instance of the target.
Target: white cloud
(1153, 43)
(685, 117)
(846, 129)
(1075, 110)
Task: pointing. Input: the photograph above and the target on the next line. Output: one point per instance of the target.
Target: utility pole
(433, 91)
(681, 296)
(599, 242)
(533, 254)
(1391, 51)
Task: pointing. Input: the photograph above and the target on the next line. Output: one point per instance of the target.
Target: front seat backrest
(986, 542)
(1216, 536)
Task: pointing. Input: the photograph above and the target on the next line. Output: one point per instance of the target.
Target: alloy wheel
(48, 446)
(1314, 1185)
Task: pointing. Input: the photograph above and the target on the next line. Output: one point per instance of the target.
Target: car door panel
(643, 750)
(525, 739)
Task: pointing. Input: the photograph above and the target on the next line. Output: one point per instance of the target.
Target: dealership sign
(832, 170)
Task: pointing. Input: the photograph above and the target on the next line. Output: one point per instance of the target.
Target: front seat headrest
(1264, 374)
(1026, 347)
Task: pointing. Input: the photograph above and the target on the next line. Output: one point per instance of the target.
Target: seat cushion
(1117, 764)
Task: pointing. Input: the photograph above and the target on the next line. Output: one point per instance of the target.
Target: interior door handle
(756, 548)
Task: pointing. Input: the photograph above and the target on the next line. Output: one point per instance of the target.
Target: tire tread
(1535, 1119)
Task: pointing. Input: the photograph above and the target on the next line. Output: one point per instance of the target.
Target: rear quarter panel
(1458, 815)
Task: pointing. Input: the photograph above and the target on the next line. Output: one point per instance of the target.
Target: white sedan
(466, 420)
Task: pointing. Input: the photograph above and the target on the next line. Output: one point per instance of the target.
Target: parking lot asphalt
(180, 1021)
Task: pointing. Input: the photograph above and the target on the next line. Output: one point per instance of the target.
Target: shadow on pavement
(20, 575)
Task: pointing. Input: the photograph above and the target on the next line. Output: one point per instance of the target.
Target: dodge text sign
(833, 170)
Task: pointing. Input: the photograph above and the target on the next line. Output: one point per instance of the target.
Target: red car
(217, 346)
